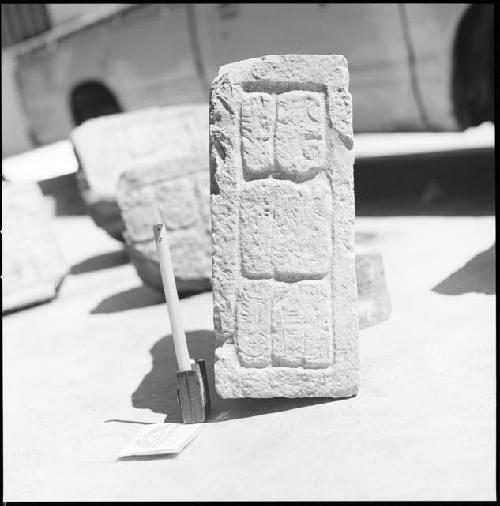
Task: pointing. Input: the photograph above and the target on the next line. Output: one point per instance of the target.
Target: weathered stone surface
(32, 266)
(176, 193)
(282, 204)
(374, 303)
(110, 145)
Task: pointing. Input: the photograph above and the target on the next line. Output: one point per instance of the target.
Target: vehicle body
(404, 67)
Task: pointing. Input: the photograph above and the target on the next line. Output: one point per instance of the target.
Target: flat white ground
(82, 373)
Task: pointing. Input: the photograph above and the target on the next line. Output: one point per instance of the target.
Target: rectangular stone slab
(110, 145)
(374, 302)
(282, 207)
(32, 265)
(176, 193)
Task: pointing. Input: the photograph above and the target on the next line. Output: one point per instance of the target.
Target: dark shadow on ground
(452, 183)
(134, 298)
(24, 307)
(477, 275)
(64, 190)
(100, 262)
(163, 456)
(157, 390)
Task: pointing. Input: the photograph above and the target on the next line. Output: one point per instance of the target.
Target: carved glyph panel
(284, 325)
(172, 193)
(283, 306)
(283, 134)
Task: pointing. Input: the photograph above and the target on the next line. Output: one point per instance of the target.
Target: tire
(473, 67)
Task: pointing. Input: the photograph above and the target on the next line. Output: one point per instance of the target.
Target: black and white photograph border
(248, 252)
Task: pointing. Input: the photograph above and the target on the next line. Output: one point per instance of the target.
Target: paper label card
(161, 438)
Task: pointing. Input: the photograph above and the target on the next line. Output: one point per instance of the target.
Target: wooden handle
(171, 297)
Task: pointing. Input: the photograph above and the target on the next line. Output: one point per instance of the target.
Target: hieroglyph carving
(284, 232)
(282, 217)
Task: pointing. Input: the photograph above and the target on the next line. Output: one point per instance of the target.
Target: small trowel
(192, 383)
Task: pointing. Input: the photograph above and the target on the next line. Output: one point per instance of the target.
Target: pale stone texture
(176, 193)
(191, 250)
(282, 204)
(110, 145)
(32, 266)
(374, 302)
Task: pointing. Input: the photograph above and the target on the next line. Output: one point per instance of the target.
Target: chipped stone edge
(232, 380)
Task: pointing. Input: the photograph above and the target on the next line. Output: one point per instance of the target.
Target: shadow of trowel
(157, 390)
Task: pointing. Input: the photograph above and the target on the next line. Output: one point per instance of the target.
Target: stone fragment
(282, 206)
(32, 266)
(374, 302)
(109, 145)
(176, 193)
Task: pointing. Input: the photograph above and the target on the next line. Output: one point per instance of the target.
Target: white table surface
(83, 373)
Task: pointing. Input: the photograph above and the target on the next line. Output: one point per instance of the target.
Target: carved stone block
(282, 204)
(374, 302)
(110, 145)
(32, 266)
(176, 193)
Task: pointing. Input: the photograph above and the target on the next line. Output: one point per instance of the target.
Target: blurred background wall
(414, 67)
(21, 22)
(59, 13)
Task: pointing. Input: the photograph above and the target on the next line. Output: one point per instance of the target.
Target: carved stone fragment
(176, 193)
(32, 266)
(374, 302)
(282, 204)
(110, 145)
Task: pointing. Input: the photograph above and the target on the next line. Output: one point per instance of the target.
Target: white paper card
(160, 438)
